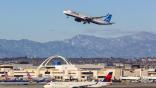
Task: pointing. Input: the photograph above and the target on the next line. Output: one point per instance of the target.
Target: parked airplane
(139, 79)
(105, 82)
(36, 79)
(28, 80)
(101, 20)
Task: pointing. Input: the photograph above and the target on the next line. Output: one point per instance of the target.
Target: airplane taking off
(101, 20)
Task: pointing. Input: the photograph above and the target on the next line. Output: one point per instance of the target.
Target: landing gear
(84, 22)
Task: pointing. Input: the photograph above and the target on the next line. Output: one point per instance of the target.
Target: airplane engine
(78, 20)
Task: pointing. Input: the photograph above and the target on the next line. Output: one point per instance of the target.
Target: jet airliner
(73, 84)
(101, 20)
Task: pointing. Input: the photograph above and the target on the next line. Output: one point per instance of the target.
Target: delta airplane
(105, 82)
(101, 20)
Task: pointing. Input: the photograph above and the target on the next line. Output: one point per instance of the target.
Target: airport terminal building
(60, 69)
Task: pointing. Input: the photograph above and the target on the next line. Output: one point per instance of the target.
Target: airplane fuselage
(82, 18)
(76, 84)
(75, 15)
(100, 22)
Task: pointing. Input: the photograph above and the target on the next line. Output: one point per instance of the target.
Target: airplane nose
(64, 12)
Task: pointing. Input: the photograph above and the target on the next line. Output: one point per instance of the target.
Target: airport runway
(21, 86)
(117, 85)
(132, 85)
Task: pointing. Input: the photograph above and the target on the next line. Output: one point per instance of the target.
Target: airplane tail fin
(29, 76)
(6, 76)
(108, 17)
(108, 77)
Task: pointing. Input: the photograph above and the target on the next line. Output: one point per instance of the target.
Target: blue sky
(43, 20)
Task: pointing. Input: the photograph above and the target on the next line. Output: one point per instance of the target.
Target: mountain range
(142, 44)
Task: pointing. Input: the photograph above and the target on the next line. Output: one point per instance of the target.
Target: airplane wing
(97, 17)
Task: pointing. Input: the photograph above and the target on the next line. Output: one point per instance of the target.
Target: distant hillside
(136, 45)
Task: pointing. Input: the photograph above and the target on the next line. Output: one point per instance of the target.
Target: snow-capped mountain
(136, 45)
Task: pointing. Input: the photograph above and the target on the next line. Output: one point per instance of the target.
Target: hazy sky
(43, 20)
